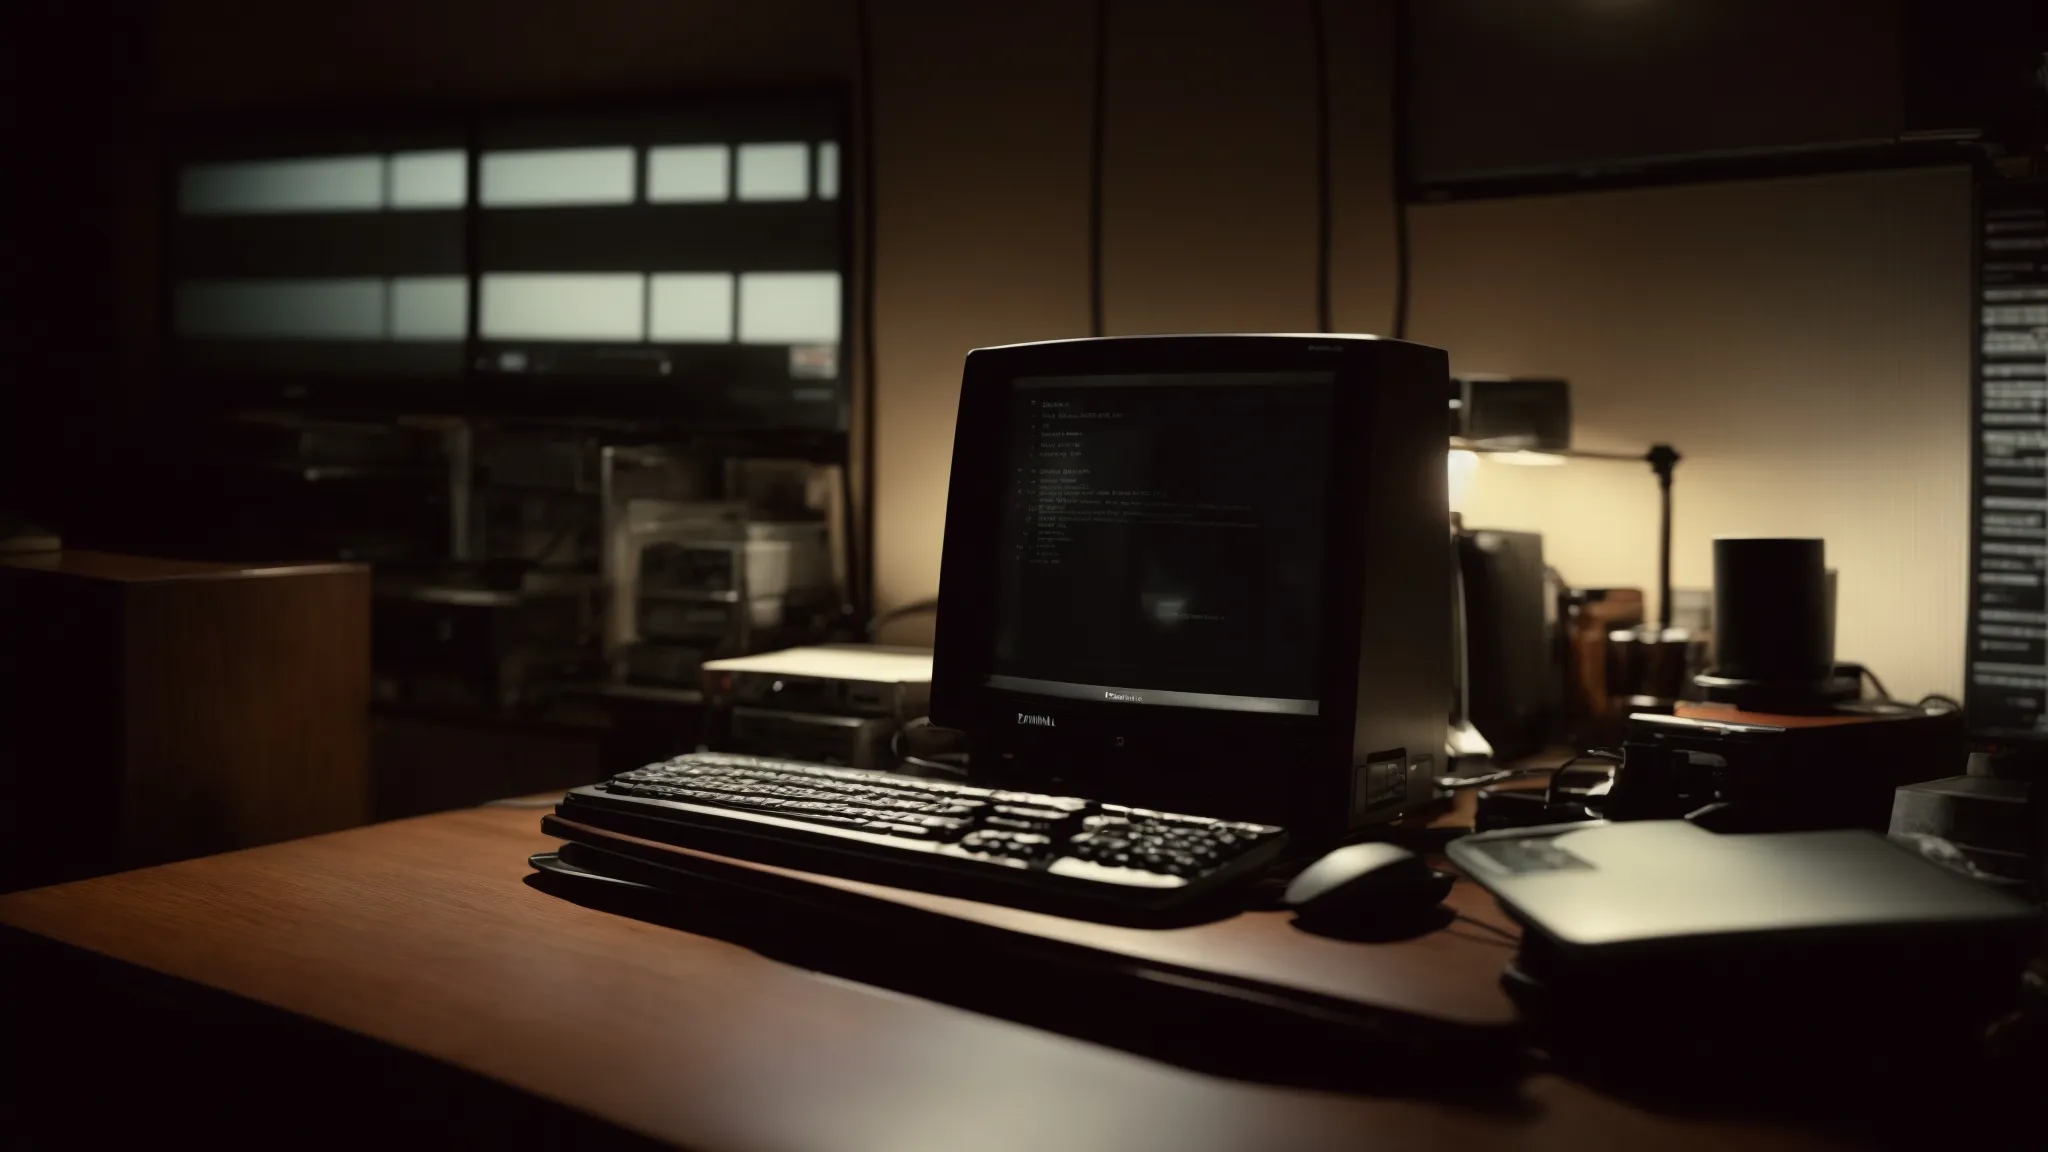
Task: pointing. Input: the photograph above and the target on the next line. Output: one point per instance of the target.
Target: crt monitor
(1206, 572)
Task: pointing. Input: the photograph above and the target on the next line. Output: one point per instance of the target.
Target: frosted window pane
(693, 307)
(429, 179)
(314, 184)
(789, 308)
(828, 171)
(775, 171)
(548, 306)
(555, 176)
(691, 173)
(340, 309)
(429, 308)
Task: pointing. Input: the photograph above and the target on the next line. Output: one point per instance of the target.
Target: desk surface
(420, 934)
(119, 569)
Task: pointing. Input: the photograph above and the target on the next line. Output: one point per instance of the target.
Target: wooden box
(153, 710)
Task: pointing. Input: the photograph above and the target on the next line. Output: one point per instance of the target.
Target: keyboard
(1056, 853)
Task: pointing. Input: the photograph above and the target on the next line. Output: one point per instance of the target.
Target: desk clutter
(588, 695)
(1161, 729)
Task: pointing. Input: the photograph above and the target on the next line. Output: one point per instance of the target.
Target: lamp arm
(1663, 460)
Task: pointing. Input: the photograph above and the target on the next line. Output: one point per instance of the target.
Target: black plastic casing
(1384, 679)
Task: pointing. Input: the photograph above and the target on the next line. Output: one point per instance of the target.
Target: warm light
(1462, 465)
(1529, 459)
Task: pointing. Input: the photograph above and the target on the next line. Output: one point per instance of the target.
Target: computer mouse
(1360, 885)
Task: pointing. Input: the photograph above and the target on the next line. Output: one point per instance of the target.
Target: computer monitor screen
(1161, 539)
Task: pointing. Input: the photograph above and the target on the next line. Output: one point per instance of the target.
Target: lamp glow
(1461, 465)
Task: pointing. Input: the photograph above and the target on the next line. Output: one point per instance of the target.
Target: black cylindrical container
(1772, 624)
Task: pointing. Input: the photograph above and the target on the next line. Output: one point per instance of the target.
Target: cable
(861, 575)
(950, 771)
(1510, 937)
(1451, 783)
(1399, 168)
(1882, 692)
(1098, 132)
(1318, 39)
(951, 764)
(1603, 754)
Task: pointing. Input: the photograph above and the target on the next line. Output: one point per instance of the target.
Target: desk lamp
(1527, 421)
(1663, 461)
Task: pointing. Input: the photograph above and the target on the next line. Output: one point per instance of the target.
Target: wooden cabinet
(153, 710)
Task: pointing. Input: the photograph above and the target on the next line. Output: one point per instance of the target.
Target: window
(775, 172)
(557, 176)
(689, 174)
(337, 309)
(828, 171)
(311, 184)
(691, 307)
(696, 241)
(552, 306)
(429, 308)
(430, 179)
(789, 308)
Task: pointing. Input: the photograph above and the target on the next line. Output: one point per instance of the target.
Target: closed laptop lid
(1656, 880)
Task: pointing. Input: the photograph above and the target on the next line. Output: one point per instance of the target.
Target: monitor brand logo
(1035, 719)
(1129, 697)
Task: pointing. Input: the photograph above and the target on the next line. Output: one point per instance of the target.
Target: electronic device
(1512, 673)
(1661, 940)
(815, 737)
(1528, 412)
(840, 704)
(1998, 824)
(836, 679)
(1360, 886)
(2006, 669)
(1060, 853)
(696, 580)
(1758, 772)
(1202, 573)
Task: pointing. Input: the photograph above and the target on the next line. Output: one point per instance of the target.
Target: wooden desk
(420, 937)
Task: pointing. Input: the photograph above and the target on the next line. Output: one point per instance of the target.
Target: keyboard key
(1110, 874)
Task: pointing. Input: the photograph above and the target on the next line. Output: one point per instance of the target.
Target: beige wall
(1803, 342)
(1208, 202)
